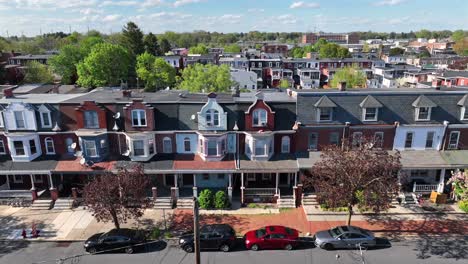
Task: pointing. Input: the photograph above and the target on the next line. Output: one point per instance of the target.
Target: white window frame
(187, 140)
(309, 141)
(260, 123)
(337, 138)
(381, 137)
(143, 145)
(165, 148)
(87, 148)
(418, 109)
(47, 141)
(207, 142)
(285, 144)
(213, 117)
(2, 146)
(16, 121)
(86, 121)
(49, 118)
(1, 119)
(141, 115)
(412, 139)
(463, 114)
(266, 147)
(432, 140)
(453, 146)
(364, 114)
(319, 114)
(17, 180)
(24, 148)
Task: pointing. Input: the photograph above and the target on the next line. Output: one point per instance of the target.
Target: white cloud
(111, 18)
(302, 4)
(185, 2)
(119, 3)
(88, 11)
(151, 3)
(52, 4)
(389, 2)
(255, 10)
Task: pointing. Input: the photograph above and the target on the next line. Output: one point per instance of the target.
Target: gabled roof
(463, 101)
(423, 101)
(370, 101)
(324, 101)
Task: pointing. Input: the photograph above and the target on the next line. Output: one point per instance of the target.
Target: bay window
(260, 148)
(212, 148)
(138, 148)
(90, 148)
(19, 148)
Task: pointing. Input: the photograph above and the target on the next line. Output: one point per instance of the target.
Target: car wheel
(288, 247)
(129, 250)
(188, 248)
(92, 250)
(327, 246)
(225, 248)
(254, 247)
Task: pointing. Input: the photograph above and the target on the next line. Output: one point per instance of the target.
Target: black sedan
(115, 240)
(212, 237)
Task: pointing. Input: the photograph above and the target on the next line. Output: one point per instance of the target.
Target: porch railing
(259, 191)
(424, 188)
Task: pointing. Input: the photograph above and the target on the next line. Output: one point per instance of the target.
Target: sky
(31, 17)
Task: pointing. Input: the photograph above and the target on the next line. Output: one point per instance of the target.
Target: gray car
(344, 237)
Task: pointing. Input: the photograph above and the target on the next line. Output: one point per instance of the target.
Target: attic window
(370, 114)
(325, 113)
(423, 113)
(259, 117)
(212, 118)
(464, 113)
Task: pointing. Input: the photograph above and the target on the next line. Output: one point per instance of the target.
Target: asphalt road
(416, 250)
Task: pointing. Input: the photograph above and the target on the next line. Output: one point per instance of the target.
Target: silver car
(344, 237)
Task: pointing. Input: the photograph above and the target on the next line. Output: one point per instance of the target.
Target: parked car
(116, 239)
(344, 237)
(272, 237)
(212, 237)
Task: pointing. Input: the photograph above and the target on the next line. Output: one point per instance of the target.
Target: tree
(332, 50)
(37, 73)
(320, 43)
(233, 48)
(362, 175)
(155, 72)
(64, 63)
(424, 54)
(164, 45)
(461, 47)
(284, 84)
(424, 33)
(366, 47)
(107, 64)
(396, 51)
(199, 49)
(117, 197)
(458, 35)
(132, 38)
(207, 78)
(151, 44)
(353, 76)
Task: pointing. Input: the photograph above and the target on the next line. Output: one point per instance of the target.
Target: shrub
(463, 205)
(206, 199)
(253, 205)
(221, 200)
(155, 233)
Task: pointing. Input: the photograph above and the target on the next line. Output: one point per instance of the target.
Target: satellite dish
(82, 161)
(117, 115)
(126, 153)
(73, 145)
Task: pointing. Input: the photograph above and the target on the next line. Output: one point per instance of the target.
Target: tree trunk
(115, 219)
(350, 213)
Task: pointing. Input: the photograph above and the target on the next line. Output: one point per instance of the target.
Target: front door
(169, 180)
(284, 179)
(187, 180)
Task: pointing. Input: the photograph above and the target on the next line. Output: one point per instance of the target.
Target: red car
(272, 237)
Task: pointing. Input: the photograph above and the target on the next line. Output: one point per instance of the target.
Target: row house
(23, 60)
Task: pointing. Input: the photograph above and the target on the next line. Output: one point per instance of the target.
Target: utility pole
(196, 227)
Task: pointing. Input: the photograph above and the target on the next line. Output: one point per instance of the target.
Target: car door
(204, 241)
(265, 242)
(278, 241)
(342, 241)
(356, 239)
(108, 243)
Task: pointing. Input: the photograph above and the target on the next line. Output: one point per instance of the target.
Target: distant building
(338, 38)
(25, 59)
(245, 79)
(276, 48)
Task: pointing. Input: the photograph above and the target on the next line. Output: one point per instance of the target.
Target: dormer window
(285, 144)
(139, 118)
(46, 119)
(19, 120)
(325, 113)
(423, 113)
(370, 114)
(212, 118)
(464, 113)
(422, 108)
(91, 119)
(259, 117)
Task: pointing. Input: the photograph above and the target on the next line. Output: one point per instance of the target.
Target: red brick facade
(259, 104)
(90, 106)
(127, 117)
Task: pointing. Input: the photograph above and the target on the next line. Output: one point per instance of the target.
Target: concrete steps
(41, 204)
(286, 202)
(185, 203)
(63, 204)
(162, 203)
(309, 200)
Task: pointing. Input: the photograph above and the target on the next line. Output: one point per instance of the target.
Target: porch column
(242, 189)
(53, 190)
(230, 188)
(32, 182)
(295, 178)
(33, 188)
(277, 182)
(175, 189)
(440, 188)
(195, 188)
(8, 181)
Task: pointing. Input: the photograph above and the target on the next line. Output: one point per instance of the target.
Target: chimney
(127, 93)
(8, 92)
(342, 86)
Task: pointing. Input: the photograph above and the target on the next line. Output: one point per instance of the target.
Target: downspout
(444, 137)
(347, 124)
(396, 124)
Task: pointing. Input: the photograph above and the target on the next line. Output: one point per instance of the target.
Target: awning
(73, 165)
(41, 165)
(194, 163)
(278, 163)
(456, 158)
(306, 160)
(423, 159)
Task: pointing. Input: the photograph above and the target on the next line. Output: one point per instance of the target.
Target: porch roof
(278, 163)
(456, 158)
(41, 165)
(72, 164)
(159, 163)
(191, 162)
(305, 160)
(423, 159)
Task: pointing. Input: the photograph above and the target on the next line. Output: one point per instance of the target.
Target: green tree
(233, 48)
(458, 35)
(424, 33)
(207, 78)
(151, 44)
(320, 43)
(88, 43)
(164, 45)
(353, 76)
(332, 50)
(132, 38)
(461, 47)
(64, 63)
(297, 52)
(424, 54)
(155, 72)
(107, 64)
(199, 49)
(396, 51)
(37, 73)
(366, 47)
(284, 84)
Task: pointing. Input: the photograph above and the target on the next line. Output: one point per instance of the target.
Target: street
(422, 249)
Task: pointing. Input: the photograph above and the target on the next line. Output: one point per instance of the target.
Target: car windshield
(260, 232)
(335, 232)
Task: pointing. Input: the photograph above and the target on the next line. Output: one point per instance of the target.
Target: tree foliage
(396, 51)
(155, 72)
(461, 47)
(107, 64)
(346, 177)
(164, 45)
(221, 200)
(233, 48)
(119, 197)
(132, 39)
(284, 84)
(332, 50)
(151, 44)
(64, 63)
(206, 199)
(459, 180)
(353, 76)
(199, 49)
(207, 78)
(36, 72)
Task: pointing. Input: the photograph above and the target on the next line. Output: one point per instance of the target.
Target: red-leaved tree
(118, 197)
(359, 175)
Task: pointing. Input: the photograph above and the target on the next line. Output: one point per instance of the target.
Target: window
(464, 114)
(251, 177)
(19, 119)
(266, 177)
(423, 113)
(409, 140)
(285, 144)
(138, 148)
(212, 118)
(334, 138)
(200, 146)
(45, 119)
(325, 114)
(49, 146)
(167, 145)
(313, 141)
(378, 139)
(2, 147)
(453, 139)
(221, 176)
(206, 176)
(90, 148)
(32, 146)
(186, 144)
(212, 148)
(19, 148)
(370, 114)
(1, 119)
(357, 139)
(260, 149)
(91, 119)
(69, 143)
(430, 139)
(138, 118)
(18, 178)
(260, 117)
(151, 147)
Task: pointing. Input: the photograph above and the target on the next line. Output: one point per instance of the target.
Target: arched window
(259, 117)
(212, 118)
(49, 146)
(167, 145)
(285, 144)
(69, 143)
(187, 144)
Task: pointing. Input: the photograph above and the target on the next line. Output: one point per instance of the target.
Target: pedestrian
(23, 233)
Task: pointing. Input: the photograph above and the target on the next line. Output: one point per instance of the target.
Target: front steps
(163, 203)
(41, 204)
(309, 200)
(63, 204)
(185, 203)
(286, 202)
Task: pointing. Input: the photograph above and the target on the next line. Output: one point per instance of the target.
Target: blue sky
(33, 16)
